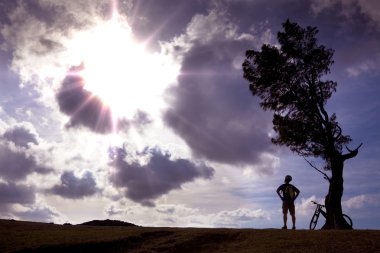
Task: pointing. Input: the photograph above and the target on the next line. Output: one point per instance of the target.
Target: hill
(21, 236)
(108, 223)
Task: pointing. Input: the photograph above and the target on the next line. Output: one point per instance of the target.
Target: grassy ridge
(17, 236)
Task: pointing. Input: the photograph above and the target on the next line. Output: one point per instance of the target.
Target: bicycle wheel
(313, 221)
(348, 219)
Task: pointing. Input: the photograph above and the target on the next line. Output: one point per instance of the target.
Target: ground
(21, 236)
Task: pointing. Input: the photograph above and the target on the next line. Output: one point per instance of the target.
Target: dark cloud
(159, 22)
(83, 107)
(159, 176)
(17, 165)
(141, 120)
(166, 210)
(42, 214)
(20, 136)
(5, 9)
(45, 46)
(75, 187)
(11, 193)
(212, 109)
(354, 35)
(350, 27)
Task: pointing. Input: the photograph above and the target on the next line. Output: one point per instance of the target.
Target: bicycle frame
(319, 210)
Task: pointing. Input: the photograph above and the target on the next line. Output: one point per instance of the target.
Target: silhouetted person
(288, 193)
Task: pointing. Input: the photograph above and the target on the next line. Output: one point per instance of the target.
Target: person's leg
(292, 211)
(285, 220)
(284, 212)
(294, 221)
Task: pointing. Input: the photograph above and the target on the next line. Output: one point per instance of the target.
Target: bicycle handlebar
(317, 203)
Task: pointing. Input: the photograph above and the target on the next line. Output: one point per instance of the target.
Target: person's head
(288, 178)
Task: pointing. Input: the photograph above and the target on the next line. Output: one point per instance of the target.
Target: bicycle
(319, 210)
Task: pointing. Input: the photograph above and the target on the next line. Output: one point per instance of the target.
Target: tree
(289, 81)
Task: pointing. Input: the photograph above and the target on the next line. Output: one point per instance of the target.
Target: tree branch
(349, 150)
(339, 133)
(325, 176)
(352, 153)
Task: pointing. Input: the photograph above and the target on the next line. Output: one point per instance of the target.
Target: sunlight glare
(120, 71)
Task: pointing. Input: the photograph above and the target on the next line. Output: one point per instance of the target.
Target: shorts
(288, 205)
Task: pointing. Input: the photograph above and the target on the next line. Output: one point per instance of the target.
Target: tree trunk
(334, 219)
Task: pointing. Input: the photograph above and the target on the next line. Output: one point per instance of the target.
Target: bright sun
(120, 71)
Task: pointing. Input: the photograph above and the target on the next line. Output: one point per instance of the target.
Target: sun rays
(120, 71)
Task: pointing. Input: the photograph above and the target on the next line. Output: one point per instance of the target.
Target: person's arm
(297, 192)
(278, 193)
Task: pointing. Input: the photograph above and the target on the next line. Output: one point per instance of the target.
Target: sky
(137, 110)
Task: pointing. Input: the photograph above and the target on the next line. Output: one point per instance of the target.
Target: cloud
(141, 120)
(11, 193)
(366, 67)
(38, 36)
(371, 8)
(46, 19)
(165, 209)
(185, 216)
(32, 37)
(160, 22)
(160, 175)
(211, 108)
(349, 8)
(83, 107)
(21, 136)
(19, 201)
(238, 216)
(73, 187)
(357, 202)
(318, 6)
(16, 164)
(352, 27)
(37, 213)
(112, 211)
(306, 208)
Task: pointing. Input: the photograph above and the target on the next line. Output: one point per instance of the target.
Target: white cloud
(357, 201)
(306, 208)
(113, 211)
(183, 216)
(238, 217)
(206, 30)
(367, 67)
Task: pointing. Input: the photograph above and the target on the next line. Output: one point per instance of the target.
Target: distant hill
(109, 223)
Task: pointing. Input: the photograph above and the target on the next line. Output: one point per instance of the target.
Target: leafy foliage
(289, 81)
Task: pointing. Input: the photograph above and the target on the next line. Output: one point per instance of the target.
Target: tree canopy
(289, 80)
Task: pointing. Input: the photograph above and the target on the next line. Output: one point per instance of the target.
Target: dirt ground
(21, 236)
